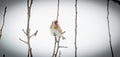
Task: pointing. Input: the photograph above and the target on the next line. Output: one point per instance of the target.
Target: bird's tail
(63, 38)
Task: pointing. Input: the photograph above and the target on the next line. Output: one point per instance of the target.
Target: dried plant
(3, 22)
(57, 42)
(27, 32)
(57, 46)
(75, 43)
(109, 29)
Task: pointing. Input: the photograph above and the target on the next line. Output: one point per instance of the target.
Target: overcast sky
(92, 36)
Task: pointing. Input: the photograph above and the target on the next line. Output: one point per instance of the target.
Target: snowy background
(93, 40)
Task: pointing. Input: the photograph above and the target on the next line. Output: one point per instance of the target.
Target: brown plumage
(56, 29)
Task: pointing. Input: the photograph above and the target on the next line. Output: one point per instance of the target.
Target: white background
(92, 37)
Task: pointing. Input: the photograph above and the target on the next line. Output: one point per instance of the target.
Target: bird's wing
(59, 29)
(51, 26)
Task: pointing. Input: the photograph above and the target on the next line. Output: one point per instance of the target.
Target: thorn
(36, 33)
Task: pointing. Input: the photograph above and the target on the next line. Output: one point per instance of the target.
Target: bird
(56, 30)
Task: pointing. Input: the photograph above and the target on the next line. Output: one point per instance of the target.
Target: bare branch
(31, 3)
(54, 45)
(63, 47)
(23, 41)
(4, 17)
(60, 53)
(57, 47)
(75, 28)
(110, 42)
(57, 42)
(27, 32)
(3, 22)
(34, 34)
(58, 9)
(24, 31)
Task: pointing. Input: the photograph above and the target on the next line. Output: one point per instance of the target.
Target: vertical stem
(75, 28)
(56, 42)
(4, 18)
(60, 53)
(28, 21)
(109, 29)
(28, 27)
(29, 4)
(3, 22)
(58, 9)
(31, 52)
(57, 47)
(54, 46)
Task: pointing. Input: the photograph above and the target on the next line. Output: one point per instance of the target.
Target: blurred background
(93, 39)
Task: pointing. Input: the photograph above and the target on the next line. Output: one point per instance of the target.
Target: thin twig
(109, 29)
(31, 3)
(63, 47)
(4, 17)
(28, 27)
(60, 53)
(57, 47)
(27, 32)
(58, 9)
(24, 32)
(23, 41)
(3, 22)
(54, 45)
(34, 34)
(54, 53)
(75, 28)
(57, 42)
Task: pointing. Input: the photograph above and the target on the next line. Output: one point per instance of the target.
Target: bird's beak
(52, 22)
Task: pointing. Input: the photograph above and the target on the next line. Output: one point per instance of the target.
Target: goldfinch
(56, 30)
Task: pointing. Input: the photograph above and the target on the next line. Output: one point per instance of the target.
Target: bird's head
(55, 22)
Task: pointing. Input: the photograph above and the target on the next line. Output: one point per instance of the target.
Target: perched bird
(56, 30)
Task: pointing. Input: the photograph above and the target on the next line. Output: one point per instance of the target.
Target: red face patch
(56, 22)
